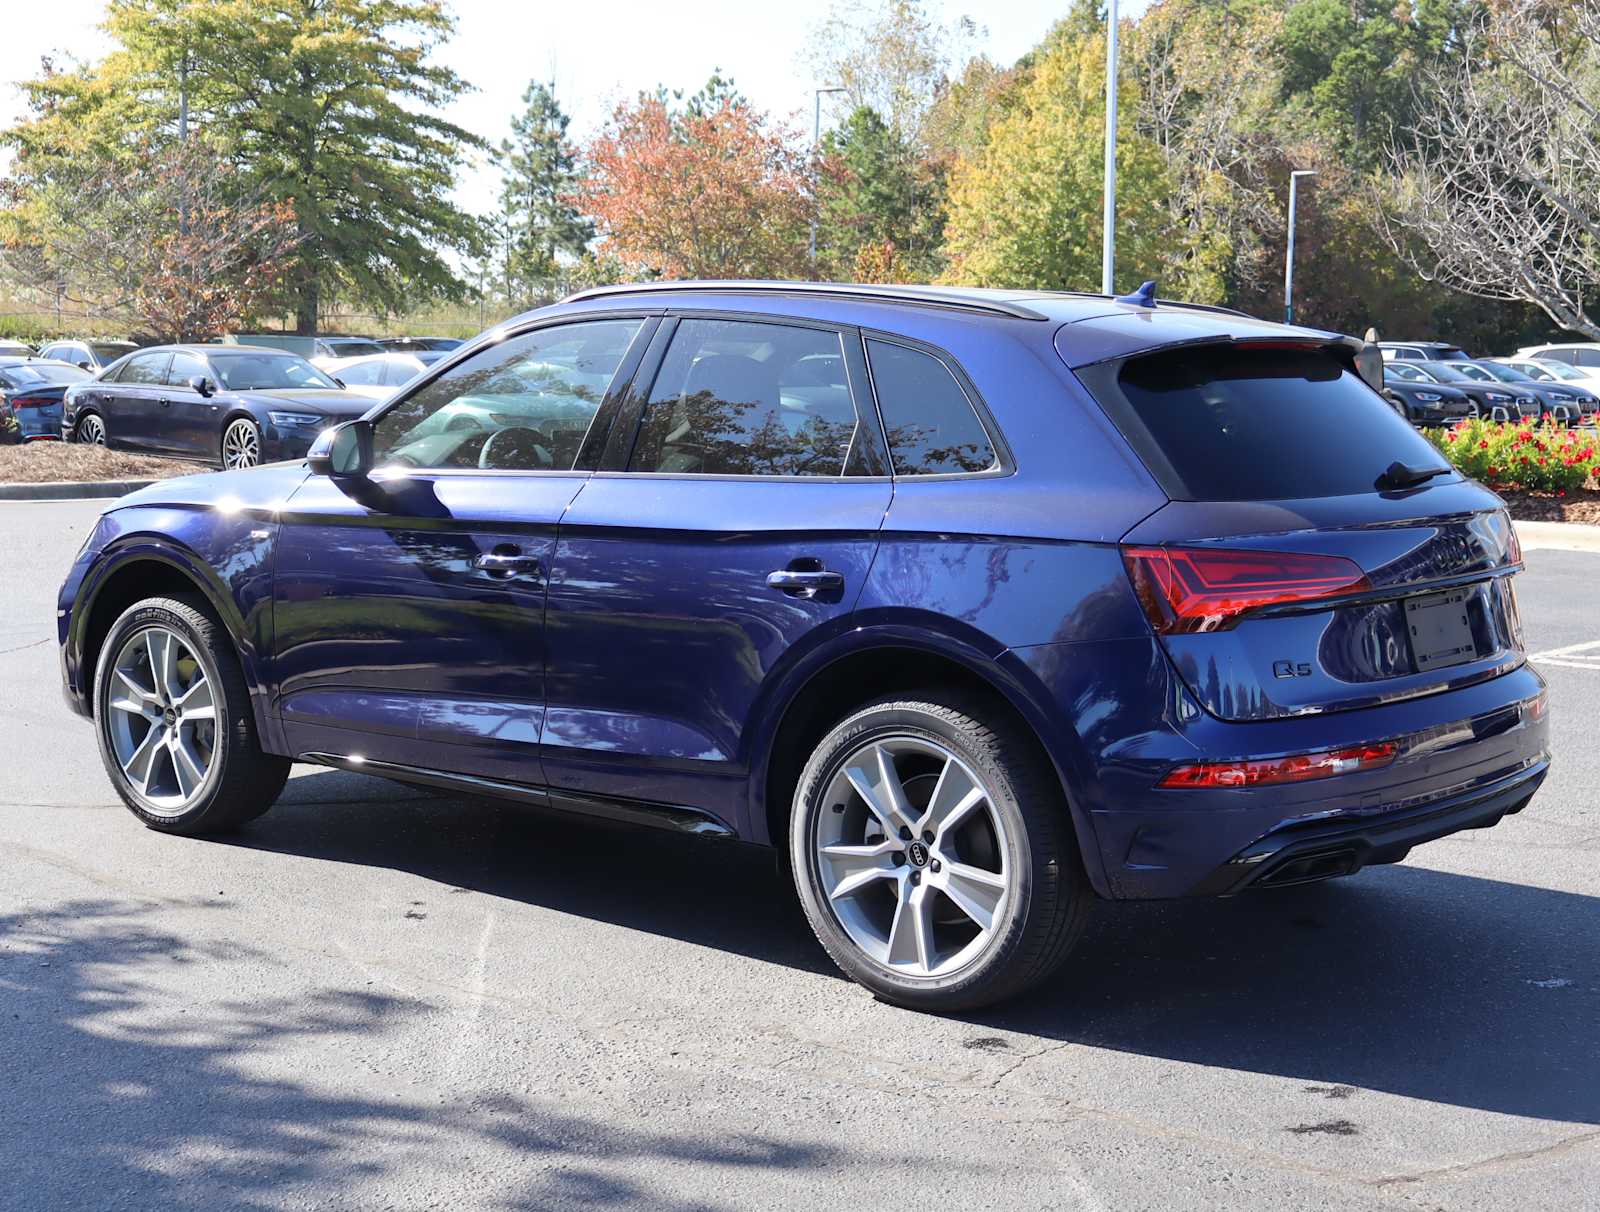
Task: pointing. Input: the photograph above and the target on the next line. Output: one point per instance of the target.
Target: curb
(70, 490)
(1558, 536)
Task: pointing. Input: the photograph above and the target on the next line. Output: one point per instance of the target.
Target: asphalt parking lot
(377, 998)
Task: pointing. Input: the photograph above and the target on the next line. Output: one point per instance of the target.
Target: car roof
(10, 360)
(209, 350)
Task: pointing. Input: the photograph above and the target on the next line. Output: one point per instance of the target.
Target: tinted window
(185, 367)
(1476, 373)
(1586, 357)
(1558, 355)
(1409, 373)
(110, 351)
(1259, 425)
(522, 404)
(145, 368)
(361, 374)
(268, 372)
(740, 398)
(353, 349)
(932, 427)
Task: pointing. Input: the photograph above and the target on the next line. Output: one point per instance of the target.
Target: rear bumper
(1318, 850)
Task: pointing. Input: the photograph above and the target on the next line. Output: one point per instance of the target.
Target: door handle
(164, 402)
(506, 563)
(804, 583)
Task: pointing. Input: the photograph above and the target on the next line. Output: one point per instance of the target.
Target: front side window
(742, 398)
(1477, 373)
(522, 404)
(931, 424)
(185, 367)
(150, 368)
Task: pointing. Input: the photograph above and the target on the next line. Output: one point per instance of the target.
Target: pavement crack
(24, 647)
(1488, 1163)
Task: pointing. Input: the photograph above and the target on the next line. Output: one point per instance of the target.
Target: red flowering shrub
(1521, 455)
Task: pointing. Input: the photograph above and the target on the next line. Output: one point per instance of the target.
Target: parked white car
(1548, 370)
(1581, 356)
(379, 376)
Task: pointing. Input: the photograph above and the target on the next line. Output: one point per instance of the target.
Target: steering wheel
(516, 449)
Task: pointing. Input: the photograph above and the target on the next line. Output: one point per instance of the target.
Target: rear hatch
(1317, 554)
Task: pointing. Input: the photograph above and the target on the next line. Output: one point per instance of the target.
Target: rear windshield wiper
(1400, 475)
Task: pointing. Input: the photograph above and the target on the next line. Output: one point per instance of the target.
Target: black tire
(241, 781)
(90, 430)
(1044, 913)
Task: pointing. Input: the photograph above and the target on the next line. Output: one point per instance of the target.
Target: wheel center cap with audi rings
(917, 854)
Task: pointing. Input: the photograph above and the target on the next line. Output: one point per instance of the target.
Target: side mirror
(85, 366)
(343, 452)
(200, 384)
(337, 380)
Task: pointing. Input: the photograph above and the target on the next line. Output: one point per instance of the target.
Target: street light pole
(1288, 259)
(1108, 239)
(816, 139)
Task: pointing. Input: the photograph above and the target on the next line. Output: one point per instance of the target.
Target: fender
(953, 640)
(243, 603)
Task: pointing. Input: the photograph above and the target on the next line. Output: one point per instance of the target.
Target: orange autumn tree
(712, 190)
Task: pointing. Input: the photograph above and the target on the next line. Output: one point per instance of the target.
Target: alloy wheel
(92, 430)
(241, 446)
(162, 719)
(911, 856)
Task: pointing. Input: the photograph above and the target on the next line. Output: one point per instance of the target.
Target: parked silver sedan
(379, 376)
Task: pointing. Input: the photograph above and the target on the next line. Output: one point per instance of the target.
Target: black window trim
(630, 422)
(1005, 463)
(599, 425)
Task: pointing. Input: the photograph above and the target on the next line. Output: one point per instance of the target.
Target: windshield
(1504, 373)
(1453, 374)
(1559, 370)
(268, 372)
(1477, 374)
(353, 349)
(1227, 424)
(41, 374)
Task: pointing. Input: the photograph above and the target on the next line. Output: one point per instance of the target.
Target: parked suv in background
(1489, 399)
(1422, 351)
(1425, 403)
(1557, 401)
(1583, 357)
(89, 355)
(978, 605)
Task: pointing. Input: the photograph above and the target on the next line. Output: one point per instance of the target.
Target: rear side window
(1229, 424)
(1586, 357)
(931, 424)
(145, 368)
(741, 398)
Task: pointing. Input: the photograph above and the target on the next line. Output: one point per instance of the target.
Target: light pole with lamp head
(816, 138)
(1288, 260)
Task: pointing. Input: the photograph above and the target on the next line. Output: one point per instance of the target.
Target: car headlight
(1496, 395)
(1560, 395)
(1428, 396)
(294, 418)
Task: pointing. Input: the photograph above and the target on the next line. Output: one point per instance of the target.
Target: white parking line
(1573, 656)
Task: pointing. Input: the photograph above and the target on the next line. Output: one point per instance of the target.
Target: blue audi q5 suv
(977, 605)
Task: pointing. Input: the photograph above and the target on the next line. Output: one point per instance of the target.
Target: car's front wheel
(177, 735)
(933, 854)
(241, 444)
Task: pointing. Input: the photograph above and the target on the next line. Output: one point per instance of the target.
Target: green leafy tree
(537, 183)
(873, 190)
(328, 106)
(1025, 210)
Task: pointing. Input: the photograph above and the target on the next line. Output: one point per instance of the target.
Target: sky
(597, 53)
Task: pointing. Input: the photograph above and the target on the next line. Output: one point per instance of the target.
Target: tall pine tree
(538, 179)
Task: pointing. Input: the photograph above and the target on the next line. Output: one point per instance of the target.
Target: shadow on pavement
(120, 1094)
(1435, 986)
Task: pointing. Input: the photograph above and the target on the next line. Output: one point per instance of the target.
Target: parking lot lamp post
(1288, 260)
(816, 139)
(1108, 239)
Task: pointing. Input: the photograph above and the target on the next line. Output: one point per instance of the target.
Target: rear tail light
(1265, 772)
(1187, 589)
(18, 403)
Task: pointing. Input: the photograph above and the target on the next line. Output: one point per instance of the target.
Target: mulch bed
(67, 462)
(1582, 505)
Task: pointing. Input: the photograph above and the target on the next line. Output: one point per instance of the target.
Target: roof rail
(925, 296)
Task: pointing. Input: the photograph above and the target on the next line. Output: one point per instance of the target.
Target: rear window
(1225, 424)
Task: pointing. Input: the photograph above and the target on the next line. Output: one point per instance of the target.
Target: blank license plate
(1440, 633)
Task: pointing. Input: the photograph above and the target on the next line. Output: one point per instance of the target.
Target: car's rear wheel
(177, 735)
(91, 430)
(241, 444)
(933, 854)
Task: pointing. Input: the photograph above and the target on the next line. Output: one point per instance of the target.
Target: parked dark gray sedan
(234, 405)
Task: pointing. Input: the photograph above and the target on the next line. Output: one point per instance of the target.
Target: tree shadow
(119, 1093)
(1450, 988)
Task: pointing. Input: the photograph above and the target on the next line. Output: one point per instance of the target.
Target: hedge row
(1521, 455)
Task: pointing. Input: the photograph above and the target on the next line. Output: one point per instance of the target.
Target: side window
(523, 404)
(361, 374)
(1586, 357)
(1559, 355)
(185, 367)
(736, 397)
(53, 351)
(931, 424)
(145, 368)
(1409, 374)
